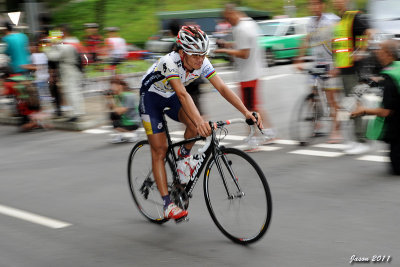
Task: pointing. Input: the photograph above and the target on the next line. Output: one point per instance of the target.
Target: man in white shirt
(249, 59)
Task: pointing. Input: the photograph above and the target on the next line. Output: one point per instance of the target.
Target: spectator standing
(17, 48)
(93, 41)
(116, 46)
(124, 115)
(350, 36)
(249, 60)
(387, 56)
(70, 70)
(40, 62)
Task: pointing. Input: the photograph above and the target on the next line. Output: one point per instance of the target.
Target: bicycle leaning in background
(236, 191)
(312, 116)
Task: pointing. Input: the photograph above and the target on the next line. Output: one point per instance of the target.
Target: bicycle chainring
(179, 196)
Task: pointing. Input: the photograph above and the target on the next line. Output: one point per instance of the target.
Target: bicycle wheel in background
(142, 184)
(307, 125)
(239, 201)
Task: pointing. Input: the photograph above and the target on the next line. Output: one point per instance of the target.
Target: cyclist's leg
(177, 113)
(151, 108)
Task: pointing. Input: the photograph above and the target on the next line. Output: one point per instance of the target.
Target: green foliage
(137, 19)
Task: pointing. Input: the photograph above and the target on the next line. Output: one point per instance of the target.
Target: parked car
(282, 38)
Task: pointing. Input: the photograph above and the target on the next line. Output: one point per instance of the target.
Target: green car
(282, 38)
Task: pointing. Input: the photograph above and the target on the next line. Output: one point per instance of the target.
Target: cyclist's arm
(232, 98)
(190, 108)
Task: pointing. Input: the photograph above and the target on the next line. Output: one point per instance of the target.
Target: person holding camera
(124, 114)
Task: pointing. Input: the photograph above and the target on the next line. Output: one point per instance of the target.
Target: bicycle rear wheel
(142, 184)
(238, 196)
(307, 124)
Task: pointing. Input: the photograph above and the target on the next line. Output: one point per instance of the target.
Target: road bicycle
(312, 116)
(236, 191)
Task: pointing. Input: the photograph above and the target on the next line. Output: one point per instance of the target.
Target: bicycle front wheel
(238, 196)
(142, 184)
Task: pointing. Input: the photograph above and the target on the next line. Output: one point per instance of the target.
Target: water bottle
(185, 168)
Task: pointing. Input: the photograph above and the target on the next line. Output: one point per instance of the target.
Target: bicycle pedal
(183, 219)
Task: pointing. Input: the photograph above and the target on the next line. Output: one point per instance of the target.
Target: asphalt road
(327, 206)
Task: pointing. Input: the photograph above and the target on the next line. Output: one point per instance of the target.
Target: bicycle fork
(228, 163)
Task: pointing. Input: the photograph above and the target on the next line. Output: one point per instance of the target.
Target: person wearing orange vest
(350, 38)
(390, 110)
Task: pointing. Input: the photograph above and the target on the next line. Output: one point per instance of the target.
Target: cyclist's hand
(204, 129)
(258, 121)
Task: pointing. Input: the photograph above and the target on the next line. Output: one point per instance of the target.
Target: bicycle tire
(307, 118)
(139, 170)
(242, 166)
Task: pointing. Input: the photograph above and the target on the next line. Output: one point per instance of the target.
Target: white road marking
(285, 142)
(274, 77)
(235, 137)
(317, 153)
(331, 146)
(97, 131)
(383, 151)
(374, 158)
(259, 148)
(34, 218)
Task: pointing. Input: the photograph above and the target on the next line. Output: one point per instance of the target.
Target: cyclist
(164, 86)
(320, 33)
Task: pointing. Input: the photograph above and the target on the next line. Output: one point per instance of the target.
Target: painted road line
(317, 153)
(374, 158)
(274, 77)
(177, 132)
(331, 146)
(34, 218)
(258, 148)
(285, 142)
(96, 131)
(234, 137)
(383, 151)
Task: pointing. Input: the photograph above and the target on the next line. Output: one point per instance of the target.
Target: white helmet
(193, 40)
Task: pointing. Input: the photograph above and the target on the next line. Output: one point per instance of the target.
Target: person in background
(319, 39)
(17, 49)
(67, 55)
(124, 114)
(116, 46)
(40, 63)
(349, 43)
(93, 41)
(387, 56)
(249, 58)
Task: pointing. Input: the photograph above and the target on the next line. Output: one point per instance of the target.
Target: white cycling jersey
(171, 67)
(321, 34)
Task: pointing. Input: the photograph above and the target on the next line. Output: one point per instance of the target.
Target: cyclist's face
(194, 61)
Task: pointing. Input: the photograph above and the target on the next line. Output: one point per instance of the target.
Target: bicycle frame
(211, 151)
